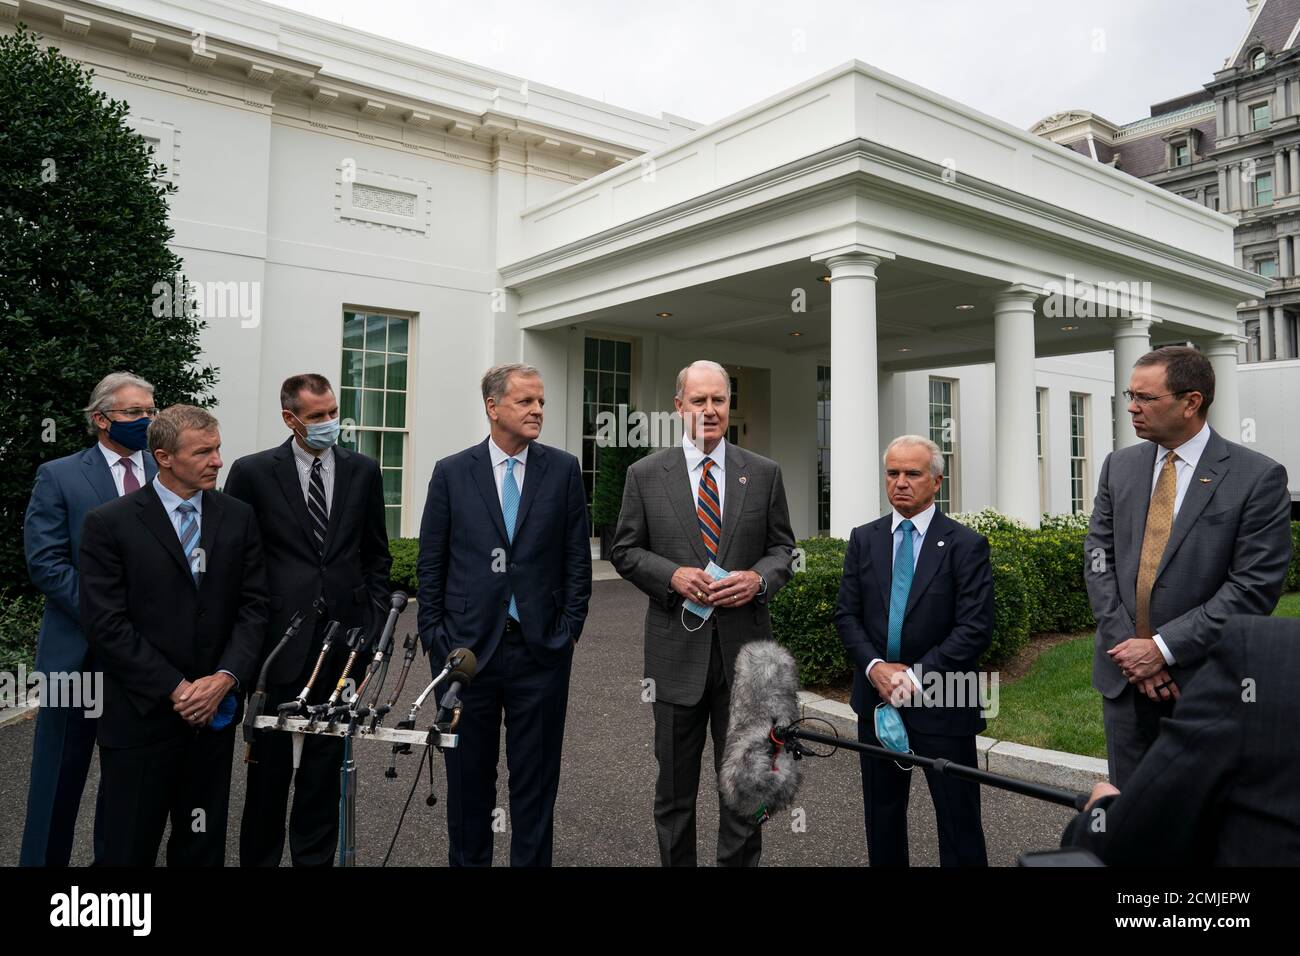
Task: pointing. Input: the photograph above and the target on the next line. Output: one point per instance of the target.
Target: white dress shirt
(303, 459)
(499, 468)
(695, 468)
(118, 470)
(1189, 456)
(920, 525)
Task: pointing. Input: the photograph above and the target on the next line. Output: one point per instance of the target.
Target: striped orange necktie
(1160, 521)
(709, 511)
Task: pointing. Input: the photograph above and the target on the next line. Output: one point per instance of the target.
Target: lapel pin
(1205, 481)
(938, 544)
(743, 479)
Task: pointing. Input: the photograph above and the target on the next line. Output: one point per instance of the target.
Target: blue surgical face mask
(132, 435)
(890, 729)
(321, 435)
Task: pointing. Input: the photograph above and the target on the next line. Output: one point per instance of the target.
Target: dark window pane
(589, 384)
(395, 410)
(372, 408)
(348, 404)
(397, 372)
(369, 444)
(376, 326)
(354, 331)
(606, 393)
(374, 369)
(607, 351)
(351, 369)
(589, 419)
(588, 453)
(622, 389)
(392, 444)
(591, 353)
(392, 486)
(397, 329)
(623, 357)
(393, 522)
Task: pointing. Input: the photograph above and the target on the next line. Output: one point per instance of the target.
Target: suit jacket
(352, 574)
(65, 490)
(150, 624)
(468, 568)
(948, 624)
(658, 531)
(1227, 554)
(1221, 785)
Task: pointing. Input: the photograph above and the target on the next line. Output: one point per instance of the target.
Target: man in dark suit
(118, 415)
(173, 603)
(703, 501)
(1187, 529)
(505, 570)
(320, 511)
(1220, 786)
(916, 611)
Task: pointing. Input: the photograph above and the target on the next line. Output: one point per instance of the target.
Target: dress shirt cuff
(232, 677)
(1164, 650)
(880, 660)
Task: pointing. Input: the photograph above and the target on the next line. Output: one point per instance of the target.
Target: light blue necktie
(510, 511)
(189, 534)
(902, 584)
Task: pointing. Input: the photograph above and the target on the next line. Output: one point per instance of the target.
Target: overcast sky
(1019, 60)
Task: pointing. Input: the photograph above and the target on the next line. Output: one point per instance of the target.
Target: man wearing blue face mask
(915, 614)
(320, 509)
(118, 415)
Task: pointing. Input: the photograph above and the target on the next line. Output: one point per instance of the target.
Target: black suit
(1220, 786)
(150, 625)
(352, 576)
(947, 627)
(468, 570)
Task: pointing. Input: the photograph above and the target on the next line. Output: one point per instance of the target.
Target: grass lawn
(1054, 705)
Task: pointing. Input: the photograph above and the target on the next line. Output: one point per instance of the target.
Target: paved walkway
(603, 816)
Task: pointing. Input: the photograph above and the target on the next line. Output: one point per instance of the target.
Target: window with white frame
(1263, 189)
(1182, 154)
(606, 384)
(1266, 266)
(1078, 453)
(823, 449)
(1040, 410)
(943, 432)
(1260, 116)
(373, 398)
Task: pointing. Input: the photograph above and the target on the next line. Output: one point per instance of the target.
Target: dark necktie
(129, 481)
(316, 506)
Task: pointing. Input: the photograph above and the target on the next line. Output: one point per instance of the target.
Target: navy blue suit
(468, 569)
(65, 490)
(948, 625)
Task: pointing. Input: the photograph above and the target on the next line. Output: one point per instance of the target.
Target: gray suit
(657, 533)
(1227, 554)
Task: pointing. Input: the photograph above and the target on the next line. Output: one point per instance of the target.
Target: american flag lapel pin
(938, 544)
(744, 479)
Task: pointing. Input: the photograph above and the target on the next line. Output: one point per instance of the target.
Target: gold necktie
(1160, 520)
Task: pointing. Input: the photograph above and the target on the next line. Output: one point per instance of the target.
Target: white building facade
(400, 221)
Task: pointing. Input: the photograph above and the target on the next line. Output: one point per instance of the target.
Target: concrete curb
(11, 715)
(1053, 767)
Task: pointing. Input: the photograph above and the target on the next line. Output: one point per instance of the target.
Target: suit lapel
(487, 487)
(95, 467)
(534, 474)
(286, 474)
(1140, 503)
(881, 542)
(154, 517)
(1213, 465)
(344, 466)
(680, 494)
(733, 503)
(209, 522)
(932, 551)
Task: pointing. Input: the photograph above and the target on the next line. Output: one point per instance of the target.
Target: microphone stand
(257, 702)
(789, 736)
(408, 723)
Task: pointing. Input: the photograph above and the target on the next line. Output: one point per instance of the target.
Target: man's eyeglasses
(1145, 400)
(134, 411)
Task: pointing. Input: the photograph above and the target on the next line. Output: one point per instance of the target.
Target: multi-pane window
(1040, 412)
(1078, 452)
(1263, 189)
(823, 449)
(606, 384)
(1258, 59)
(1182, 154)
(1266, 267)
(943, 432)
(1260, 116)
(373, 399)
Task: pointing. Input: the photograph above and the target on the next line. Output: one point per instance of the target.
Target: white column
(1225, 413)
(1295, 168)
(1132, 341)
(1280, 106)
(1014, 393)
(855, 427)
(1234, 188)
(1233, 125)
(1279, 332)
(1223, 189)
(1279, 174)
(1283, 257)
(1266, 350)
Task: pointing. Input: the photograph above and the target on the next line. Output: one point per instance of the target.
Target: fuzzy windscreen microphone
(759, 776)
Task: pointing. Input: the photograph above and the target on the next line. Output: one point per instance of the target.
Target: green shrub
(20, 623)
(1293, 572)
(803, 612)
(987, 522)
(402, 577)
(1052, 563)
(612, 462)
(1011, 604)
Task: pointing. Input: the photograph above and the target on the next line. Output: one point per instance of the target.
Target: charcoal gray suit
(1227, 554)
(691, 672)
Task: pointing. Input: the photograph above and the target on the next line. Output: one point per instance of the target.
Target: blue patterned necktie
(189, 535)
(510, 511)
(902, 585)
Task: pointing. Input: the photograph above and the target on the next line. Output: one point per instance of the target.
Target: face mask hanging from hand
(892, 732)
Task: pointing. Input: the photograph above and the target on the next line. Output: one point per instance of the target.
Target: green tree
(83, 244)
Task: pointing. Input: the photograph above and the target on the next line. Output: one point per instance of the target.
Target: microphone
(759, 775)
(461, 676)
(379, 664)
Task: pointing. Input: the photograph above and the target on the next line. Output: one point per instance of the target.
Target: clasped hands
(1140, 660)
(735, 590)
(197, 701)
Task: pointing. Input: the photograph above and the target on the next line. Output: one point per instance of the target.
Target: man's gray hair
(101, 399)
(497, 379)
(165, 430)
(906, 441)
(706, 364)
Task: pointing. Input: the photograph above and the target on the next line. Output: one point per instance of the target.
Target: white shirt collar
(498, 456)
(171, 501)
(1189, 451)
(112, 457)
(921, 521)
(695, 456)
(305, 458)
